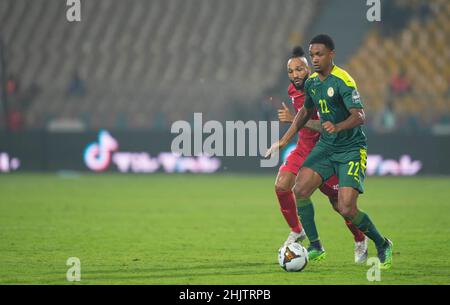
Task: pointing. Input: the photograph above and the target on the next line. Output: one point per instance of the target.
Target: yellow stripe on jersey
(313, 75)
(342, 74)
(363, 155)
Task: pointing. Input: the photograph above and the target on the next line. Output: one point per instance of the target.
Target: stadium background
(132, 68)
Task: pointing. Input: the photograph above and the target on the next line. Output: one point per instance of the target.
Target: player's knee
(346, 211)
(280, 188)
(301, 192)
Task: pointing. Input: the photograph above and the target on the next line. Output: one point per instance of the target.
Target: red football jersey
(307, 138)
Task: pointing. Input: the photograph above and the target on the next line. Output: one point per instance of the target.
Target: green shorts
(349, 166)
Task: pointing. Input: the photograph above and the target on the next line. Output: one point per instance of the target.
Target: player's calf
(284, 182)
(361, 247)
(306, 183)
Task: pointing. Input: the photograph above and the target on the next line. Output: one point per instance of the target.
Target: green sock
(363, 222)
(305, 210)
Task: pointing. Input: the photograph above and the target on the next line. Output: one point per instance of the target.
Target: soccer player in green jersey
(341, 150)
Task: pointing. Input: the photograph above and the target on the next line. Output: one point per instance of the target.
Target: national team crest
(330, 91)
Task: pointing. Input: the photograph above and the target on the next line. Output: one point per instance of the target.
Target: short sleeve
(350, 95)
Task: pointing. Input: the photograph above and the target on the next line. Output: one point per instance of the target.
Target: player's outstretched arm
(357, 117)
(299, 122)
(285, 116)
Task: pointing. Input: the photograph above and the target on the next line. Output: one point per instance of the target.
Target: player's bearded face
(299, 83)
(298, 72)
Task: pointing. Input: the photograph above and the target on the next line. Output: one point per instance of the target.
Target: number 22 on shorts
(350, 170)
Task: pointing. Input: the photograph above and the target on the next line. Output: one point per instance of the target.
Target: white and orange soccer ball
(293, 258)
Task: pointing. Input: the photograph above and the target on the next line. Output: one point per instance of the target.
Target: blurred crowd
(115, 77)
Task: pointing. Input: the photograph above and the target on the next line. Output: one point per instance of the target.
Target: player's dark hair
(325, 40)
(298, 51)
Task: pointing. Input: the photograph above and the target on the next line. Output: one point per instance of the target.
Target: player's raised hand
(330, 127)
(277, 146)
(284, 114)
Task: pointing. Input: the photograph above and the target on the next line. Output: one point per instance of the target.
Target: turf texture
(207, 229)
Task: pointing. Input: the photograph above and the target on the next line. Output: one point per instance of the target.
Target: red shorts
(295, 161)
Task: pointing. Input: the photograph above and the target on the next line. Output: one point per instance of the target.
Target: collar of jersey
(316, 75)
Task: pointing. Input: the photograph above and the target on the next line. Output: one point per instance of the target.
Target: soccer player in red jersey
(298, 72)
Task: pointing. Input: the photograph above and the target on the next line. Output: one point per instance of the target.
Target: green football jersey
(333, 97)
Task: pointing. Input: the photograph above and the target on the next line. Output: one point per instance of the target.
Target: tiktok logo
(97, 156)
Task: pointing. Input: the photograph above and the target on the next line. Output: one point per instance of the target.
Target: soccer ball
(293, 258)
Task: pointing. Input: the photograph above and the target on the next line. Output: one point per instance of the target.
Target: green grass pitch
(217, 229)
